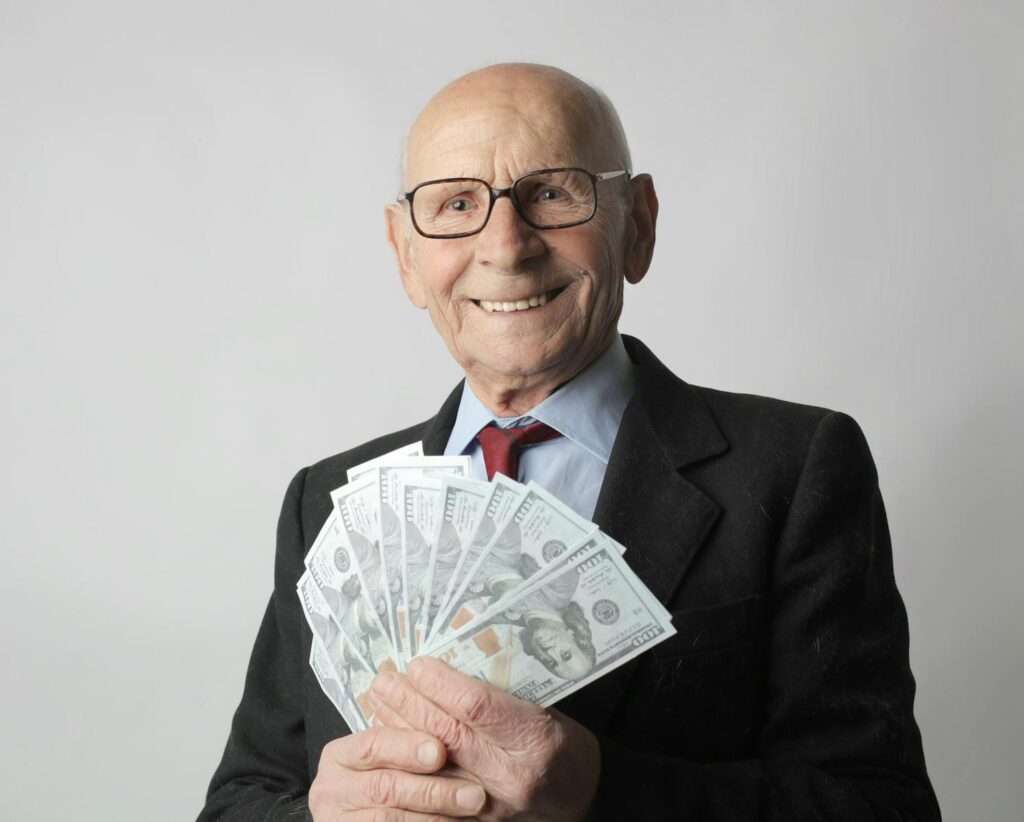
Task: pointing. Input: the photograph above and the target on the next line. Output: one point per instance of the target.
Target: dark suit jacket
(786, 693)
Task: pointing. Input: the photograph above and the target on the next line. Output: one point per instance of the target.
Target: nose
(506, 242)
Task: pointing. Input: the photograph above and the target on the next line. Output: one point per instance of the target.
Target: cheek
(599, 253)
(438, 266)
(601, 294)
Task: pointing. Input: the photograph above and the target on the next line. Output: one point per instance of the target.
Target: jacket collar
(679, 418)
(439, 428)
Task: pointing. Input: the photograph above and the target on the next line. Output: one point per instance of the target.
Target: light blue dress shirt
(586, 411)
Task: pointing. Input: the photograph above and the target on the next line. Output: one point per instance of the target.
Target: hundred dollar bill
(320, 619)
(541, 529)
(350, 676)
(421, 510)
(390, 474)
(335, 687)
(413, 449)
(503, 497)
(462, 504)
(585, 617)
(340, 562)
(476, 610)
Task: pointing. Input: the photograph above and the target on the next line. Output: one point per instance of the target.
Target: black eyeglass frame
(498, 193)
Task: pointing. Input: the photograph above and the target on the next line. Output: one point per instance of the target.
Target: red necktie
(503, 445)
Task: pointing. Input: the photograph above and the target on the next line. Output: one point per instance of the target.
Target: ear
(399, 238)
(643, 217)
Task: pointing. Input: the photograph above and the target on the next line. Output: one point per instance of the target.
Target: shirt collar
(586, 410)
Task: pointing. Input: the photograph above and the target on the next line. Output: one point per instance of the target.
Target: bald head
(552, 107)
(523, 302)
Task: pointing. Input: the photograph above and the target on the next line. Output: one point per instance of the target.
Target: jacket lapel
(645, 502)
(439, 428)
(648, 505)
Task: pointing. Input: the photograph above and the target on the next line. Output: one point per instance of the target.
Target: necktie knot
(502, 446)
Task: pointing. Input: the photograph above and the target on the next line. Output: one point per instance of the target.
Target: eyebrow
(474, 176)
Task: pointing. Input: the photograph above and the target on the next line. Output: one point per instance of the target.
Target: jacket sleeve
(263, 774)
(839, 740)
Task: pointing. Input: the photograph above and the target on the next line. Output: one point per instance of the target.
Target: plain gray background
(198, 300)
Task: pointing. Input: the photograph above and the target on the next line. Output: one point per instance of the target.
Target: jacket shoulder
(756, 427)
(737, 411)
(773, 436)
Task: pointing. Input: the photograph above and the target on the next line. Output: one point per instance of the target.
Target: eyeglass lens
(547, 199)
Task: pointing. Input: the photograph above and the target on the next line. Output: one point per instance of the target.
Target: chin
(525, 362)
(514, 369)
(547, 351)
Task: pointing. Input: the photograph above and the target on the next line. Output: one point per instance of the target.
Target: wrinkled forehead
(501, 135)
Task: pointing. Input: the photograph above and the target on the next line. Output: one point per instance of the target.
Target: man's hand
(388, 775)
(535, 764)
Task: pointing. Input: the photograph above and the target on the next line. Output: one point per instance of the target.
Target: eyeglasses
(549, 198)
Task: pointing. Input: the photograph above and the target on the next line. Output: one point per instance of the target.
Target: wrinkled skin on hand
(536, 765)
(389, 775)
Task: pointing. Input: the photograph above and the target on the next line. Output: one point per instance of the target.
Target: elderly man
(786, 692)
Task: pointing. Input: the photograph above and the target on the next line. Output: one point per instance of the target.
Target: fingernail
(470, 797)
(427, 753)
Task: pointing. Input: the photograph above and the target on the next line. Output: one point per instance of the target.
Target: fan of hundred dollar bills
(502, 581)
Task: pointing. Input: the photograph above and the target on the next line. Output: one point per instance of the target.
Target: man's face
(578, 271)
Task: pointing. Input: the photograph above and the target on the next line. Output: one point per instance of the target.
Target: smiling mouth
(536, 301)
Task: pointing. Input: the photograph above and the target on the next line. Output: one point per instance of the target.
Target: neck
(504, 400)
(506, 396)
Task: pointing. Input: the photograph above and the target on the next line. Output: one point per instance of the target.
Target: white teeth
(518, 305)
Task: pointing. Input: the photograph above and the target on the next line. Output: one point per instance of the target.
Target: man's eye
(460, 204)
(550, 195)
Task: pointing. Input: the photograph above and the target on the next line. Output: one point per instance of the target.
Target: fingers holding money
(399, 702)
(400, 790)
(533, 762)
(385, 716)
(388, 716)
(393, 773)
(381, 747)
(485, 708)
